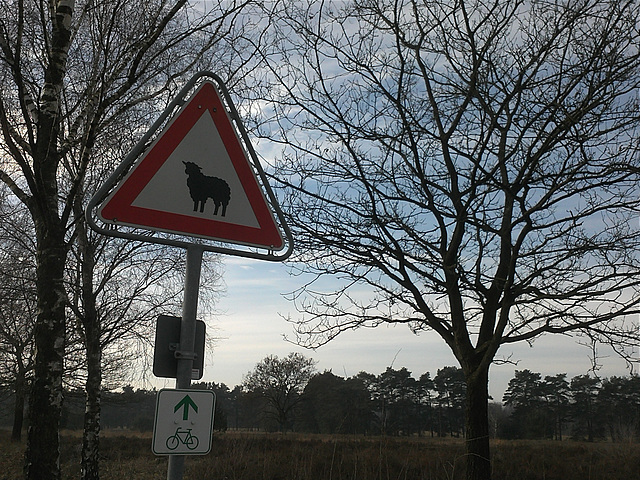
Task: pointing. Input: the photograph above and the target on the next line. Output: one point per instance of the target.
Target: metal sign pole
(185, 353)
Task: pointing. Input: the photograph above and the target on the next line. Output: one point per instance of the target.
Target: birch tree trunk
(45, 402)
(91, 437)
(92, 330)
(45, 405)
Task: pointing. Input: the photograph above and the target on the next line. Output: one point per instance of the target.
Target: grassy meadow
(244, 456)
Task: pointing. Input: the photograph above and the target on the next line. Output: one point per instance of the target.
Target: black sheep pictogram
(202, 187)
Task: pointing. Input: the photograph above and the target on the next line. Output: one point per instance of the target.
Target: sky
(249, 326)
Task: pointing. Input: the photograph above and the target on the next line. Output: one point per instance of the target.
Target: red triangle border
(118, 208)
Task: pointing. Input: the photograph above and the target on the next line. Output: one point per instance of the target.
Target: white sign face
(169, 191)
(184, 422)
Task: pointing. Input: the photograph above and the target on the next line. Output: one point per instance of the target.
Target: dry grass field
(243, 456)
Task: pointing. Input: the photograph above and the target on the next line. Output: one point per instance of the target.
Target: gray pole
(185, 352)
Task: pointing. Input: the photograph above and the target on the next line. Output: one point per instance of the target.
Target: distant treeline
(395, 403)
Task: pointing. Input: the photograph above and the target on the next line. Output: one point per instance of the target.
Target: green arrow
(186, 402)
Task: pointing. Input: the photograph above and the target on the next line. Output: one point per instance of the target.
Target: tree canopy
(281, 382)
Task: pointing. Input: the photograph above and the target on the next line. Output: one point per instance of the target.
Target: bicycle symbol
(184, 437)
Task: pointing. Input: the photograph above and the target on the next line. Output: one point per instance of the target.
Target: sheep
(202, 187)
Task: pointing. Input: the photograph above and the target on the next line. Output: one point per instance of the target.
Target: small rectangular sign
(165, 363)
(184, 422)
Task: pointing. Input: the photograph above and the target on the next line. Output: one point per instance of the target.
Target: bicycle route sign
(184, 422)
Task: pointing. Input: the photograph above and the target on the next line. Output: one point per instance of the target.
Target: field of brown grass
(243, 456)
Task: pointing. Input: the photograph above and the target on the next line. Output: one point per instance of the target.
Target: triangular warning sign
(196, 179)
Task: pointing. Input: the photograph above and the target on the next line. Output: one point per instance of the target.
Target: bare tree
(67, 70)
(116, 290)
(281, 382)
(17, 305)
(474, 164)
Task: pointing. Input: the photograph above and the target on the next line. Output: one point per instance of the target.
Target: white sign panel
(184, 422)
